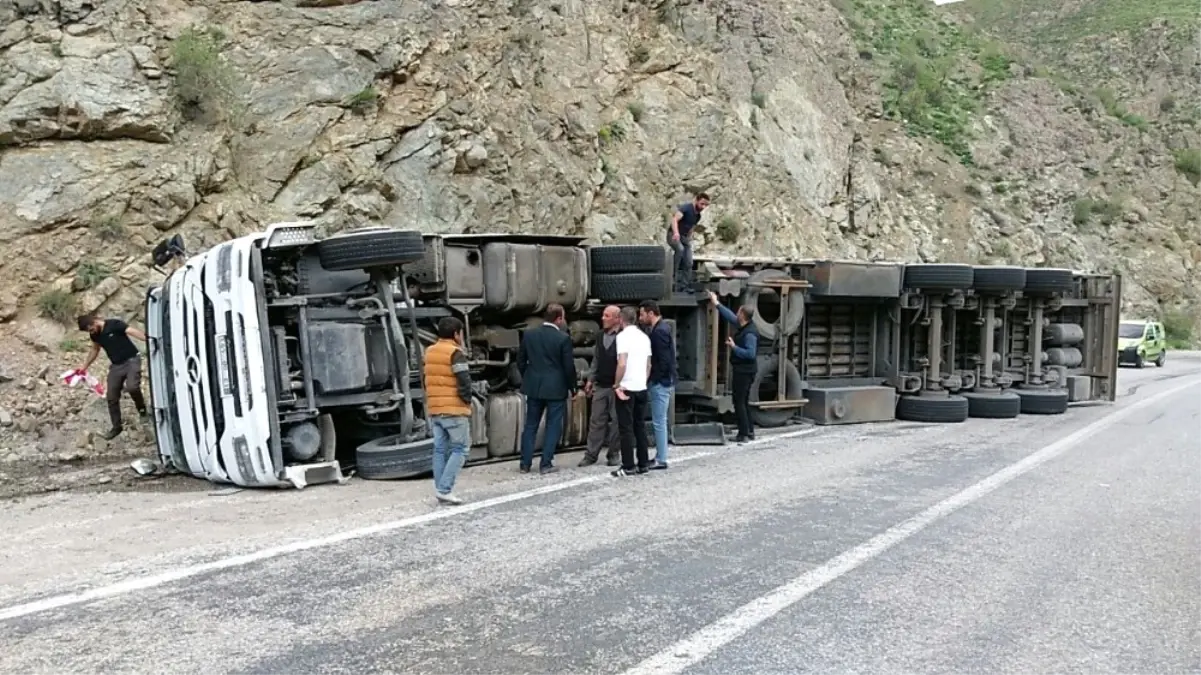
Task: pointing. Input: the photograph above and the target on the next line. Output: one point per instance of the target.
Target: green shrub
(58, 304)
(90, 273)
(362, 101)
(108, 229)
(728, 230)
(640, 54)
(611, 133)
(1107, 212)
(759, 99)
(70, 345)
(637, 110)
(1178, 328)
(1188, 162)
(206, 85)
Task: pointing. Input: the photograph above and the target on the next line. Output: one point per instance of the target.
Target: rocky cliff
(881, 129)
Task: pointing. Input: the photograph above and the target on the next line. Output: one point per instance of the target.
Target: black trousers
(631, 422)
(741, 380)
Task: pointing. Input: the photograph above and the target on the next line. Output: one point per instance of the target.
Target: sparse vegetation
(1178, 328)
(1107, 212)
(70, 345)
(1167, 104)
(640, 54)
(1188, 162)
(728, 229)
(611, 133)
(759, 99)
(206, 85)
(637, 110)
(57, 304)
(89, 273)
(363, 100)
(109, 228)
(1114, 108)
(973, 190)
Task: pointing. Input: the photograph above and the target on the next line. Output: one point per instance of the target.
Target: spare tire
(1000, 405)
(1045, 280)
(942, 277)
(1043, 401)
(624, 259)
(388, 458)
(631, 287)
(794, 388)
(370, 248)
(753, 299)
(998, 279)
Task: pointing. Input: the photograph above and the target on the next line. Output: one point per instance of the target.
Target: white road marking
(693, 649)
(151, 581)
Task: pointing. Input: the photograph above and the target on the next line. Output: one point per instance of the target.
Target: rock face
(821, 128)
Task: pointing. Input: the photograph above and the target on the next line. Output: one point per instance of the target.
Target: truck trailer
(286, 359)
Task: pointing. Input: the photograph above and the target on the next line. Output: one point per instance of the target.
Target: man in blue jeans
(679, 237)
(448, 406)
(661, 382)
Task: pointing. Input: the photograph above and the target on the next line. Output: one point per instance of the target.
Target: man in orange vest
(448, 406)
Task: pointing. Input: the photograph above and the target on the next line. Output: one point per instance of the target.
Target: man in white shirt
(633, 368)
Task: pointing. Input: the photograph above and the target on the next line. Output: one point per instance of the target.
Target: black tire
(932, 409)
(1140, 361)
(995, 405)
(794, 388)
(387, 458)
(1049, 280)
(627, 259)
(939, 277)
(1162, 358)
(630, 287)
(1043, 401)
(998, 279)
(370, 248)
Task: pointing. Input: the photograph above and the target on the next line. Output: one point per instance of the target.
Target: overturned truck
(285, 359)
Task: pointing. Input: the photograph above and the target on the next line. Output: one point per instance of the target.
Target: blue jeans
(534, 407)
(660, 402)
(452, 436)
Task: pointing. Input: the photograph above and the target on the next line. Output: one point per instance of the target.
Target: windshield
(1130, 330)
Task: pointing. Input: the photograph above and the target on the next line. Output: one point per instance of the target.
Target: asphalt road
(1064, 544)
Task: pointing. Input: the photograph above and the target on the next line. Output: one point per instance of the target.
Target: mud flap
(705, 433)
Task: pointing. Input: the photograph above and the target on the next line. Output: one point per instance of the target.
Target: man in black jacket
(548, 377)
(125, 364)
(744, 346)
(602, 425)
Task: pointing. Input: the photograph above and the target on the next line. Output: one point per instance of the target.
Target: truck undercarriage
(282, 359)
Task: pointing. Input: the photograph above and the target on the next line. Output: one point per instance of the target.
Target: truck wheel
(625, 259)
(1162, 358)
(998, 279)
(1002, 405)
(794, 388)
(766, 325)
(939, 277)
(387, 458)
(370, 248)
(630, 287)
(1048, 280)
(932, 409)
(1043, 401)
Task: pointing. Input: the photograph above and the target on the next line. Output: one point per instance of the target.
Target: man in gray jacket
(602, 425)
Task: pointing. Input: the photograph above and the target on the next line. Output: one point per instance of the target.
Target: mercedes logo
(193, 370)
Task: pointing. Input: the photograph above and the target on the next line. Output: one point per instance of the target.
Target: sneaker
(111, 433)
(740, 439)
(641, 470)
(448, 498)
(614, 462)
(655, 466)
(621, 473)
(524, 469)
(587, 461)
(548, 469)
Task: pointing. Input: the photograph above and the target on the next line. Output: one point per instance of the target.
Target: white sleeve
(623, 343)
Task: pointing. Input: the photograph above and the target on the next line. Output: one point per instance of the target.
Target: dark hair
(745, 312)
(629, 315)
(553, 313)
(448, 326)
(702, 195)
(85, 322)
(650, 306)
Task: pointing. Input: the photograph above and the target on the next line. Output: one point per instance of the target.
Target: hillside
(851, 128)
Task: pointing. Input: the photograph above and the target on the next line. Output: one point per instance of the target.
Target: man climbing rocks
(125, 364)
(679, 238)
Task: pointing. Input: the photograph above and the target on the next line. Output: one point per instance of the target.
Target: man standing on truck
(602, 425)
(661, 382)
(125, 364)
(679, 237)
(448, 406)
(633, 368)
(548, 377)
(744, 345)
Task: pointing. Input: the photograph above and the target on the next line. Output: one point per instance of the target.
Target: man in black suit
(547, 378)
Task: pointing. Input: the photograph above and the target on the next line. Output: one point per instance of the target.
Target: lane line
(141, 583)
(695, 648)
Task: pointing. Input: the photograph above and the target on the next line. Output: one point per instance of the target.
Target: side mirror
(168, 250)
